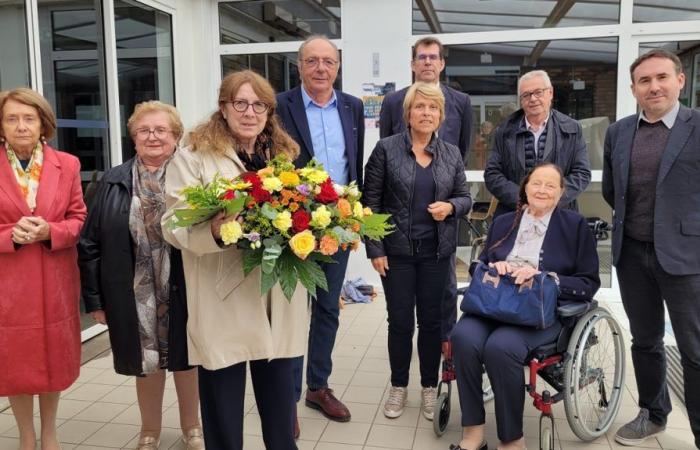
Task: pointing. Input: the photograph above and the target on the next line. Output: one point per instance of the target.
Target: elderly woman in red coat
(41, 213)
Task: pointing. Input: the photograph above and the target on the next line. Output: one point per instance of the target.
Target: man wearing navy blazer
(428, 61)
(328, 125)
(651, 178)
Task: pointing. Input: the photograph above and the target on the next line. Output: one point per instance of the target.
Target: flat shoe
(148, 443)
(484, 446)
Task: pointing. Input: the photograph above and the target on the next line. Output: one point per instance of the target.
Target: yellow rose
(314, 175)
(272, 184)
(357, 210)
(367, 212)
(303, 243)
(231, 232)
(321, 218)
(283, 221)
(289, 179)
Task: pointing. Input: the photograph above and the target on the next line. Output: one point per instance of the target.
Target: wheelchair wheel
(594, 374)
(441, 413)
(546, 433)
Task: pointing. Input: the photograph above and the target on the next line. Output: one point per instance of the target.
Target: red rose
(327, 194)
(260, 195)
(300, 220)
(229, 195)
(252, 178)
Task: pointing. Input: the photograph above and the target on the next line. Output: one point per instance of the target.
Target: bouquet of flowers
(289, 220)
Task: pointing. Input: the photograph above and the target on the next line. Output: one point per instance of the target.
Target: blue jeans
(323, 328)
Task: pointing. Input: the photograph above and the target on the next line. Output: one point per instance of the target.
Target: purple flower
(304, 189)
(252, 236)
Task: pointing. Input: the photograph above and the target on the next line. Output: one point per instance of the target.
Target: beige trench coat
(229, 321)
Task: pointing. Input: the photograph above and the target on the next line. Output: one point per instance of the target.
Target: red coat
(39, 283)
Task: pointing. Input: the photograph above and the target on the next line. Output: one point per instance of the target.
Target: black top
(24, 163)
(422, 223)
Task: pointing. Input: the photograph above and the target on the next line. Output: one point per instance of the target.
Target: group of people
(177, 299)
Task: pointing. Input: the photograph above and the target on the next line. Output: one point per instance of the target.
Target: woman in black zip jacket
(418, 179)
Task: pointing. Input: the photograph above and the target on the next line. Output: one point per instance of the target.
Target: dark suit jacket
(677, 203)
(568, 249)
(291, 110)
(456, 129)
(506, 166)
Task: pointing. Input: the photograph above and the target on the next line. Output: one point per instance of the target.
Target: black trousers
(222, 393)
(645, 286)
(415, 283)
(502, 349)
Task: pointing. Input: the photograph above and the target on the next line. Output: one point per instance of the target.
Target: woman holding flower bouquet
(230, 322)
(418, 179)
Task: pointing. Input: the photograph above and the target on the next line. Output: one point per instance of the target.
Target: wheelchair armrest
(576, 309)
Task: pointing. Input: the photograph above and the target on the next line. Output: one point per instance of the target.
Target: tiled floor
(99, 411)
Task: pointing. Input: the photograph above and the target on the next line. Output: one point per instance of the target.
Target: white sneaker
(428, 397)
(396, 402)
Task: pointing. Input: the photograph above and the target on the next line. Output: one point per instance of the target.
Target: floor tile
(113, 435)
(391, 436)
(346, 433)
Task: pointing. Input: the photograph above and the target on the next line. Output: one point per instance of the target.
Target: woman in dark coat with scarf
(132, 279)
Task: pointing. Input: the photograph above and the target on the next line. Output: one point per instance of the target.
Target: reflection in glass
(583, 74)
(462, 16)
(144, 60)
(278, 20)
(14, 69)
(689, 54)
(72, 52)
(665, 10)
(280, 69)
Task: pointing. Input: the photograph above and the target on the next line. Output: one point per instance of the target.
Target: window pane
(461, 16)
(591, 205)
(72, 52)
(583, 74)
(14, 70)
(689, 54)
(278, 20)
(144, 60)
(665, 10)
(280, 69)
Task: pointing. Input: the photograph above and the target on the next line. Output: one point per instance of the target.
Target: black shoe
(484, 446)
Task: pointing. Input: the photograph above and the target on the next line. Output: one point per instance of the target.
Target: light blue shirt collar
(669, 119)
(308, 100)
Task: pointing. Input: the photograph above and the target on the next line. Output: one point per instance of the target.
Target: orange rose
(328, 245)
(293, 206)
(356, 227)
(344, 208)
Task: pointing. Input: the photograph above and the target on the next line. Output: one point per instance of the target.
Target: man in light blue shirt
(329, 126)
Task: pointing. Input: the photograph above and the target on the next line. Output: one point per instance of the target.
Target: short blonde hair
(214, 135)
(427, 90)
(31, 98)
(152, 106)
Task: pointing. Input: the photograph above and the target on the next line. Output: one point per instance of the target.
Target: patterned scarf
(152, 264)
(28, 179)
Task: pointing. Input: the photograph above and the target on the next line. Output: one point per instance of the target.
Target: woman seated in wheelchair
(537, 238)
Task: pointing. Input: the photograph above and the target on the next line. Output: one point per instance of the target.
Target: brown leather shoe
(325, 401)
(297, 429)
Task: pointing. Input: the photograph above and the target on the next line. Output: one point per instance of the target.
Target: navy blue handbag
(496, 297)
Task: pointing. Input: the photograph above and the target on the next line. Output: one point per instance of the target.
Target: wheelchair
(585, 367)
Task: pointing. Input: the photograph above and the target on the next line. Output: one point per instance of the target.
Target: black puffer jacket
(107, 275)
(389, 179)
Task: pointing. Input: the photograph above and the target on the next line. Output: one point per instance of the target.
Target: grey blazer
(677, 203)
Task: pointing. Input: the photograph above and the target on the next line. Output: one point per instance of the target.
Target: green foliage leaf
(251, 260)
(311, 276)
(235, 206)
(267, 281)
(288, 274)
(188, 217)
(376, 226)
(272, 251)
(268, 211)
(320, 257)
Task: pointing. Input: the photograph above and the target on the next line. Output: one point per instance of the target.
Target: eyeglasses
(423, 57)
(242, 106)
(158, 133)
(537, 93)
(328, 63)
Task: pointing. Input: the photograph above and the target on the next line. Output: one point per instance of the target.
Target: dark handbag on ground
(533, 303)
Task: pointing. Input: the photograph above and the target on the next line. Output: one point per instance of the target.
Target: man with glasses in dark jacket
(533, 134)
